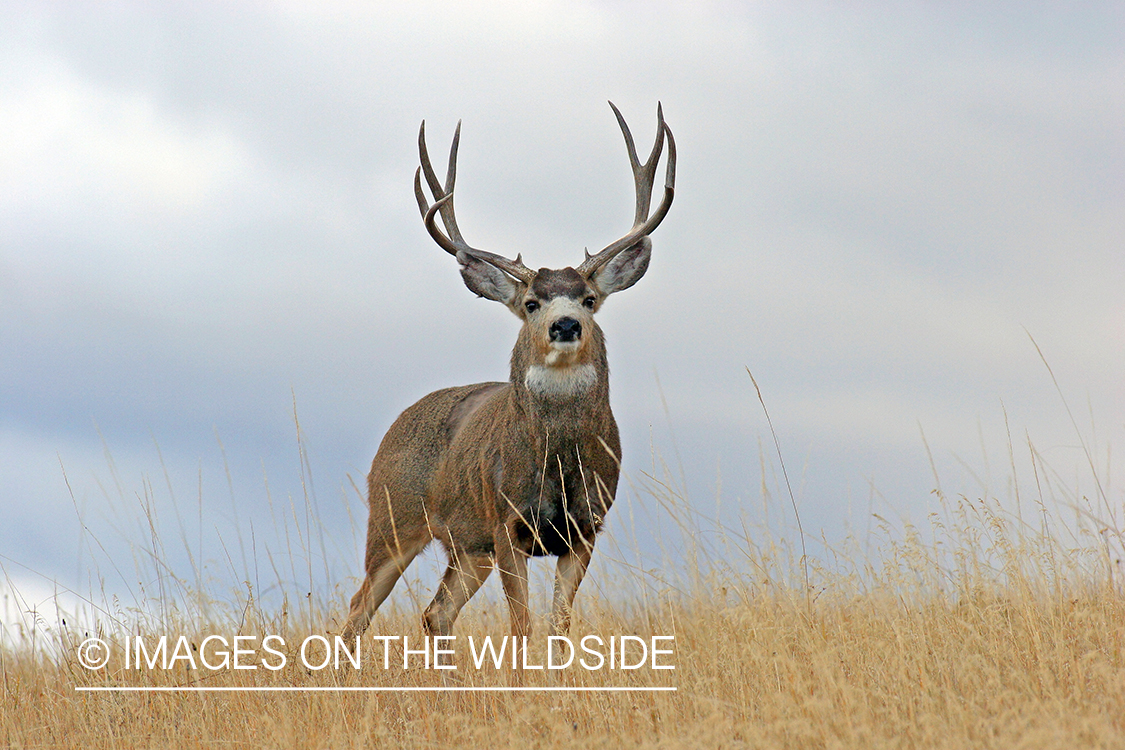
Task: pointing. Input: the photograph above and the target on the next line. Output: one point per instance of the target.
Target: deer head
(556, 306)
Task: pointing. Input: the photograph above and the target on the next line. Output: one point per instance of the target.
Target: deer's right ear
(486, 280)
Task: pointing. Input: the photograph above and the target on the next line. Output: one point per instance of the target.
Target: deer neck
(564, 394)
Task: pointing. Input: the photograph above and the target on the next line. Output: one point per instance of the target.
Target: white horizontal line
(366, 689)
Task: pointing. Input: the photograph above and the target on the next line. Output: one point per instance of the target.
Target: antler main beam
(453, 242)
(643, 178)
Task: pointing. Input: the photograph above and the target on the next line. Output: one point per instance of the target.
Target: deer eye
(589, 302)
(531, 305)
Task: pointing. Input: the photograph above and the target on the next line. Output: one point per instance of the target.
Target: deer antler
(643, 177)
(454, 243)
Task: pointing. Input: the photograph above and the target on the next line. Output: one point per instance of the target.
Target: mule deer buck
(498, 472)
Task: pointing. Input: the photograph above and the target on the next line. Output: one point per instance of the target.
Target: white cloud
(69, 143)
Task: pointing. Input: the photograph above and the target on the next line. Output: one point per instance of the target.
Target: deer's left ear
(625, 269)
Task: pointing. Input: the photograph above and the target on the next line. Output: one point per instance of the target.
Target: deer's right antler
(454, 243)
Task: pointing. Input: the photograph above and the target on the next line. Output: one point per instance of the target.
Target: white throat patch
(559, 382)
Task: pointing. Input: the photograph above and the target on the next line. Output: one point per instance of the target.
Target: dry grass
(981, 632)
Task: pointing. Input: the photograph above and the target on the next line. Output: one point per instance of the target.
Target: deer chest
(564, 508)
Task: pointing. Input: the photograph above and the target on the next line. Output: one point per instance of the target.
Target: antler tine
(454, 243)
(643, 174)
(429, 213)
(443, 196)
(643, 178)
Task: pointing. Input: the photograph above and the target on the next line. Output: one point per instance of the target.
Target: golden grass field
(992, 628)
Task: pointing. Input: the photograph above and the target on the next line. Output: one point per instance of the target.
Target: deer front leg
(568, 575)
(512, 566)
(511, 562)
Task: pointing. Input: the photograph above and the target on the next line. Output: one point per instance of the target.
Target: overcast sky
(206, 216)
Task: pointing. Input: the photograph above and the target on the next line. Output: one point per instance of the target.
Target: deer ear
(486, 280)
(625, 269)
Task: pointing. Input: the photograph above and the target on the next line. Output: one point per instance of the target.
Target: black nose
(566, 329)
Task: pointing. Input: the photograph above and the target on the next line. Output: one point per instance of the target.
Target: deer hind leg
(568, 576)
(463, 578)
(384, 566)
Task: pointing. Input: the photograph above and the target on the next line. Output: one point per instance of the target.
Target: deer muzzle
(565, 329)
